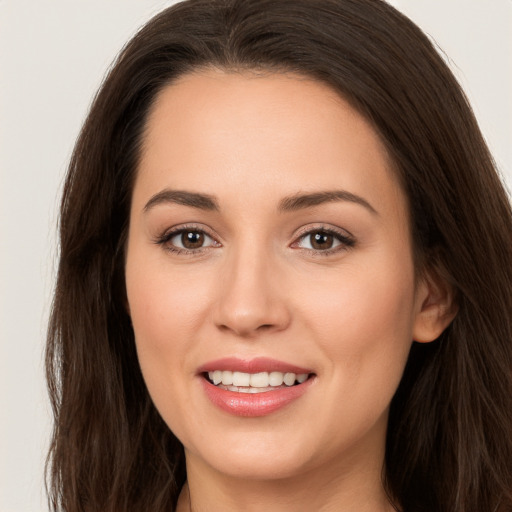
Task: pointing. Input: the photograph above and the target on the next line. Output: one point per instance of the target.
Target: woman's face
(269, 240)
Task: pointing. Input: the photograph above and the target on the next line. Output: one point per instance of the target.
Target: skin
(257, 287)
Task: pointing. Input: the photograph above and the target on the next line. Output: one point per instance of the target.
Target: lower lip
(252, 405)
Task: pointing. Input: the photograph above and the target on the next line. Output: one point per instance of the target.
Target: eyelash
(167, 236)
(346, 241)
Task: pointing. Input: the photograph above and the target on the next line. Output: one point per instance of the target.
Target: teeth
(227, 378)
(250, 390)
(259, 380)
(302, 378)
(289, 379)
(241, 379)
(237, 381)
(275, 378)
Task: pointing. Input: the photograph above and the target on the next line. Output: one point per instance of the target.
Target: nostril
(245, 330)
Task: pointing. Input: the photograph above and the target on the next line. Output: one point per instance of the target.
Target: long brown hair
(449, 444)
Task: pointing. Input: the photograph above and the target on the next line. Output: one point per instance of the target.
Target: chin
(254, 458)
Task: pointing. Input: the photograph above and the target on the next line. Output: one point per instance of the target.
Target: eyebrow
(192, 199)
(302, 201)
(288, 204)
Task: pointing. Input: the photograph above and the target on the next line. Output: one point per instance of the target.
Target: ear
(436, 307)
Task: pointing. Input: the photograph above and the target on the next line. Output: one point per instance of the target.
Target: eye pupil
(322, 240)
(192, 239)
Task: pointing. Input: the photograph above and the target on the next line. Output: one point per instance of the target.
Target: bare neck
(354, 490)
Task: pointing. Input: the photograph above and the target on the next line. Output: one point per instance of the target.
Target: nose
(251, 296)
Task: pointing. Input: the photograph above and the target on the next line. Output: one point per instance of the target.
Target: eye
(319, 241)
(191, 239)
(186, 240)
(324, 240)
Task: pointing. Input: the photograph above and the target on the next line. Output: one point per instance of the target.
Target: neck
(353, 490)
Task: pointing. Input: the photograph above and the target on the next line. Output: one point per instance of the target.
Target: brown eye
(188, 240)
(192, 239)
(324, 241)
(321, 240)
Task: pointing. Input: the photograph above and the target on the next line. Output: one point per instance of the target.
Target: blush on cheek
(371, 323)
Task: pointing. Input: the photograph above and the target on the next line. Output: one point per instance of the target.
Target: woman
(285, 274)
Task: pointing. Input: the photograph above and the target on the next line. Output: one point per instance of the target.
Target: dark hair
(449, 443)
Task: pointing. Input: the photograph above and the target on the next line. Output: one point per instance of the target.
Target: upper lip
(255, 365)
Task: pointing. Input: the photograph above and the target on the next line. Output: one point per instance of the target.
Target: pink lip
(253, 405)
(256, 365)
(247, 404)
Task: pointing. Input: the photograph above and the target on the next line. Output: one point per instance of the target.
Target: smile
(254, 388)
(261, 382)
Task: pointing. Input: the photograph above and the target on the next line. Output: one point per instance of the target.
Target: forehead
(220, 132)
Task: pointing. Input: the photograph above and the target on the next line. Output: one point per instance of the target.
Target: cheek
(363, 321)
(164, 307)
(163, 312)
(163, 300)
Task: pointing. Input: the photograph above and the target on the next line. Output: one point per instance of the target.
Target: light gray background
(53, 55)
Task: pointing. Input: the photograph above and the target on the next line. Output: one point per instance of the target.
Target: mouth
(261, 382)
(257, 387)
